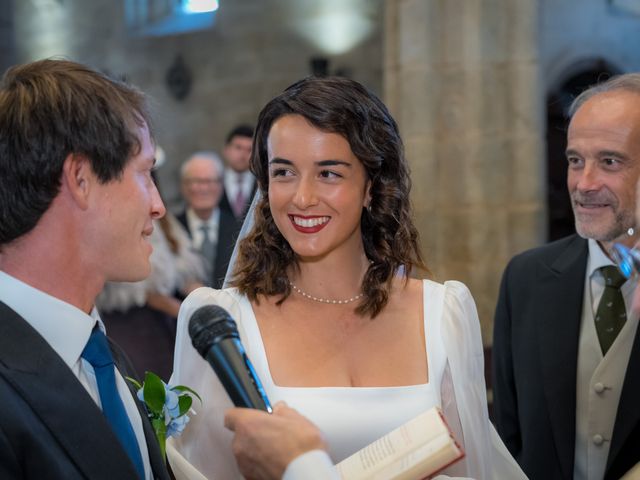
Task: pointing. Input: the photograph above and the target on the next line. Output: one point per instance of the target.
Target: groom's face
(122, 213)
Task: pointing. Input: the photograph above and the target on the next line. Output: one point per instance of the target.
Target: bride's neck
(331, 277)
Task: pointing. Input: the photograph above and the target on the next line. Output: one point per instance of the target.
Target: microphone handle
(237, 375)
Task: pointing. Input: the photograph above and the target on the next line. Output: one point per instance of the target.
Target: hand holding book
(416, 450)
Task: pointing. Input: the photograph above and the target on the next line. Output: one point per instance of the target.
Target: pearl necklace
(324, 300)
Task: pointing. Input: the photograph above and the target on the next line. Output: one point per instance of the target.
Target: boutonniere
(167, 406)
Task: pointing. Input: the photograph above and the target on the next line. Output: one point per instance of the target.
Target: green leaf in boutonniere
(167, 406)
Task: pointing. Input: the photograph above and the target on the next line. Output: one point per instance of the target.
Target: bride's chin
(309, 258)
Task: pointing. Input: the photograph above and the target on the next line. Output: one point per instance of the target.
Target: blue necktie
(98, 354)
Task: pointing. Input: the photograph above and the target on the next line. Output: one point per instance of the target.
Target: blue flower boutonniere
(167, 406)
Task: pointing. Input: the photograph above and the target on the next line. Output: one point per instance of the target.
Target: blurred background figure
(141, 316)
(239, 182)
(212, 229)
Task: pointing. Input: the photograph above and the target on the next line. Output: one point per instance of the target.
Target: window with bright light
(169, 17)
(199, 6)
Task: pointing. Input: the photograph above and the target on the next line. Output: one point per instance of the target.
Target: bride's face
(317, 188)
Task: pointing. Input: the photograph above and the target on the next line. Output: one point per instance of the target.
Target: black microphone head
(210, 324)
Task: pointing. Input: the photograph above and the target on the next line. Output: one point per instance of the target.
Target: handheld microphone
(214, 335)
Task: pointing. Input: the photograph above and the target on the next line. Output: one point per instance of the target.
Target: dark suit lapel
(628, 415)
(158, 465)
(225, 204)
(250, 199)
(228, 229)
(561, 283)
(56, 396)
(182, 218)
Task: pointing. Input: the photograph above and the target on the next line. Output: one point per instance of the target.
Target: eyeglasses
(202, 182)
(627, 259)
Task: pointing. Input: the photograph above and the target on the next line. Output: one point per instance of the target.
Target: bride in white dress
(322, 294)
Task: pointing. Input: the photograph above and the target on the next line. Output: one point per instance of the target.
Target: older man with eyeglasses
(211, 228)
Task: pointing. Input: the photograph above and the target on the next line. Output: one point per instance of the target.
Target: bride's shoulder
(406, 286)
(210, 295)
(453, 289)
(227, 298)
(406, 292)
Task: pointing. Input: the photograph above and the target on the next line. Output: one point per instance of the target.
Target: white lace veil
(247, 225)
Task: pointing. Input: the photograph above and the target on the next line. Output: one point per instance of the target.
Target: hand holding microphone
(214, 335)
(263, 444)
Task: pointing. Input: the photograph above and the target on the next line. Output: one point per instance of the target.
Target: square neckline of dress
(255, 339)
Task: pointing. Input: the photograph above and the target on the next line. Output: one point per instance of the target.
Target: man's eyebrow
(570, 151)
(601, 153)
(611, 153)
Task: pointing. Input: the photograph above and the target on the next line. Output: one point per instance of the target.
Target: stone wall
(464, 85)
(7, 39)
(466, 80)
(253, 51)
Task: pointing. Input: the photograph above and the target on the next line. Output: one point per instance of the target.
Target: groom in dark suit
(76, 208)
(566, 346)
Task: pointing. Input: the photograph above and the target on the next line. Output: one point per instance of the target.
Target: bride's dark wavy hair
(342, 106)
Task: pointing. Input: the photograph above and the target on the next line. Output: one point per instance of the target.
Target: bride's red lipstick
(309, 224)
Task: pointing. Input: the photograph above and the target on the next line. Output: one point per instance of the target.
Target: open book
(416, 450)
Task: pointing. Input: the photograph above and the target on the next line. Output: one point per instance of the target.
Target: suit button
(597, 439)
(598, 387)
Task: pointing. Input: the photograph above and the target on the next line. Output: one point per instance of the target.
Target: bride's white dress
(351, 418)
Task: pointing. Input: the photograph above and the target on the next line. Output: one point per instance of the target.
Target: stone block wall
(252, 53)
(463, 83)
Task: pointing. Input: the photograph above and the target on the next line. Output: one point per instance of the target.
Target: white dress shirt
(599, 378)
(312, 465)
(67, 329)
(233, 180)
(195, 227)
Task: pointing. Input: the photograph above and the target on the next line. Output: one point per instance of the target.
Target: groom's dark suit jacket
(535, 355)
(50, 427)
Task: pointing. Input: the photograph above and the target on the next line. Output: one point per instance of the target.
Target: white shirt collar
(595, 279)
(196, 222)
(597, 258)
(233, 180)
(65, 327)
(235, 176)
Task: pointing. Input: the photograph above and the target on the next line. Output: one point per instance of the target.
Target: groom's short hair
(50, 109)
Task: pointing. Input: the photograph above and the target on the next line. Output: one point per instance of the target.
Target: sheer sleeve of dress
(463, 391)
(205, 443)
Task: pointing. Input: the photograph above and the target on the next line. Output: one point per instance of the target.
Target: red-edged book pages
(416, 450)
